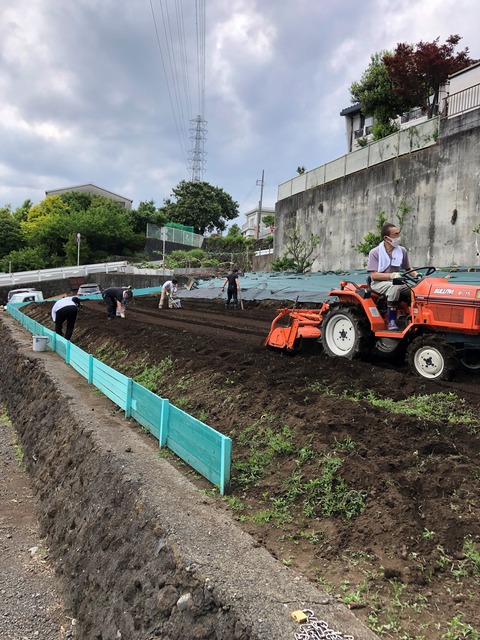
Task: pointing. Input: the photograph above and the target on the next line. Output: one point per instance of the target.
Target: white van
(27, 296)
(14, 291)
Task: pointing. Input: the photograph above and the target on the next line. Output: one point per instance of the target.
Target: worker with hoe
(116, 299)
(169, 289)
(384, 265)
(65, 310)
(232, 289)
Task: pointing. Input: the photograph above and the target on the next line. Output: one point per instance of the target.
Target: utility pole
(259, 214)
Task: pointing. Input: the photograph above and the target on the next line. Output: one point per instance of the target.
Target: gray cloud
(85, 97)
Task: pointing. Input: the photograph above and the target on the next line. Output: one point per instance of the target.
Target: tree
(299, 252)
(269, 221)
(200, 205)
(374, 238)
(417, 71)
(26, 259)
(146, 213)
(234, 231)
(21, 213)
(10, 232)
(77, 200)
(376, 96)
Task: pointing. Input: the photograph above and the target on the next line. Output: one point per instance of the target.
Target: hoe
(438, 326)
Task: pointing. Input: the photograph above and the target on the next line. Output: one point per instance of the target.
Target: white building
(94, 190)
(249, 228)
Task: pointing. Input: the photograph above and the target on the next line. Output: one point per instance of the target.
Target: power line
(173, 53)
(167, 82)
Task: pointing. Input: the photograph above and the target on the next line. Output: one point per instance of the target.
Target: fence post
(128, 401)
(164, 417)
(67, 352)
(90, 369)
(225, 459)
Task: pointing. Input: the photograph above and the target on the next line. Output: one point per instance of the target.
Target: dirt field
(379, 504)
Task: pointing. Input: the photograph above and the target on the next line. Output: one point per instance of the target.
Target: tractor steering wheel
(411, 279)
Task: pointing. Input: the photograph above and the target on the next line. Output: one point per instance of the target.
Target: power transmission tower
(197, 154)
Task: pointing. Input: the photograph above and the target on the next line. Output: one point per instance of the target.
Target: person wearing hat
(116, 299)
(65, 310)
(169, 289)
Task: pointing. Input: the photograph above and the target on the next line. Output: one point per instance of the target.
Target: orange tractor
(438, 326)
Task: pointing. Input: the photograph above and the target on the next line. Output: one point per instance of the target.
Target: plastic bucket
(40, 343)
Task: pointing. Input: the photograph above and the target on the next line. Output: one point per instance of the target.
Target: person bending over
(116, 299)
(65, 310)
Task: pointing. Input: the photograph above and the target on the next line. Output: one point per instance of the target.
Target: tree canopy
(44, 235)
(376, 95)
(417, 71)
(408, 77)
(200, 205)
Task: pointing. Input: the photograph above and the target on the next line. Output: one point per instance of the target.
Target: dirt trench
(138, 550)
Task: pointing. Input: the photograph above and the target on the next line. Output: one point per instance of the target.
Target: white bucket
(40, 343)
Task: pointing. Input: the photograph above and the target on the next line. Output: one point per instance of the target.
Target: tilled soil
(409, 563)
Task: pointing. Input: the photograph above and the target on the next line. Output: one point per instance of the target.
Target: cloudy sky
(104, 91)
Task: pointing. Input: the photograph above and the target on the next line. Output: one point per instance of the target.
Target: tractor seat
(380, 299)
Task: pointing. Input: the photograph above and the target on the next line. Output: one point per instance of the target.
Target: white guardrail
(62, 273)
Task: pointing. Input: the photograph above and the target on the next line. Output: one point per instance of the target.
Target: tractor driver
(384, 264)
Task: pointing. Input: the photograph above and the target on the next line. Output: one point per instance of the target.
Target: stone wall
(440, 185)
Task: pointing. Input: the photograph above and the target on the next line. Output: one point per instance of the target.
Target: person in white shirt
(169, 289)
(384, 264)
(65, 310)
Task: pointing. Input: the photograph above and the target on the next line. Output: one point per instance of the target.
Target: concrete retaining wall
(139, 551)
(440, 185)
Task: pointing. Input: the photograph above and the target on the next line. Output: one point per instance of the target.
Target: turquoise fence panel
(200, 446)
(113, 384)
(80, 360)
(206, 450)
(147, 409)
(61, 346)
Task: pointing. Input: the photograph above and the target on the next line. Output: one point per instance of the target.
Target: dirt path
(400, 545)
(29, 603)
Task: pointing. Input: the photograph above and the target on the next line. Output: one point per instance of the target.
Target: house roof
(355, 108)
(472, 66)
(85, 186)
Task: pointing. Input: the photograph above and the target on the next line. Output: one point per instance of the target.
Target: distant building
(94, 190)
(249, 229)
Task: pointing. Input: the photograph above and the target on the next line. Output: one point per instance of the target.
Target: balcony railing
(462, 101)
(414, 114)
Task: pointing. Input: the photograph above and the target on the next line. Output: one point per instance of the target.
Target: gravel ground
(30, 606)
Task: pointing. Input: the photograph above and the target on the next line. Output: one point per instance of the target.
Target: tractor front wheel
(432, 357)
(346, 333)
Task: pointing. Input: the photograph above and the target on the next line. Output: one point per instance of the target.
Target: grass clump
(446, 408)
(152, 375)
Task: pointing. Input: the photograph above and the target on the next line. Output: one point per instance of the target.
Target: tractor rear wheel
(432, 357)
(346, 333)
